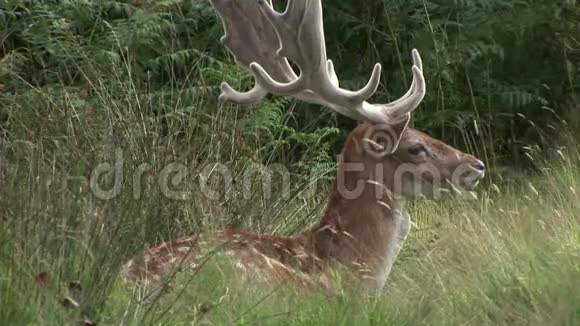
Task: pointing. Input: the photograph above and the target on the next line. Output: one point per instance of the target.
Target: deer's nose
(478, 165)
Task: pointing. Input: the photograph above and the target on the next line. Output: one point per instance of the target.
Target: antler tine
(242, 98)
(332, 73)
(416, 92)
(401, 107)
(419, 64)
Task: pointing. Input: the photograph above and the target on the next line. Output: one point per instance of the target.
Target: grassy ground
(510, 257)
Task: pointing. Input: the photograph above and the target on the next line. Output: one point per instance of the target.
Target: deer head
(406, 162)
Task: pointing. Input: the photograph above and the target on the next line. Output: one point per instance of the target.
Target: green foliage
(488, 63)
(161, 56)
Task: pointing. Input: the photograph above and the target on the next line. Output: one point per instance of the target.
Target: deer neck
(364, 223)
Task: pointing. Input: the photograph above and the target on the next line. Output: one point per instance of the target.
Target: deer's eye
(417, 149)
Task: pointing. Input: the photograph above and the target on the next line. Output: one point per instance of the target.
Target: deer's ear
(397, 129)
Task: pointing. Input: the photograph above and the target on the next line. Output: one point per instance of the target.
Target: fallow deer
(383, 161)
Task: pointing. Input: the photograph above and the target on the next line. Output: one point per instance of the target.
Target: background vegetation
(82, 82)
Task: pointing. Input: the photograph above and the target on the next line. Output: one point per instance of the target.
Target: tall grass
(510, 257)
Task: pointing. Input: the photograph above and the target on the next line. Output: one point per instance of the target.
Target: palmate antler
(264, 40)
